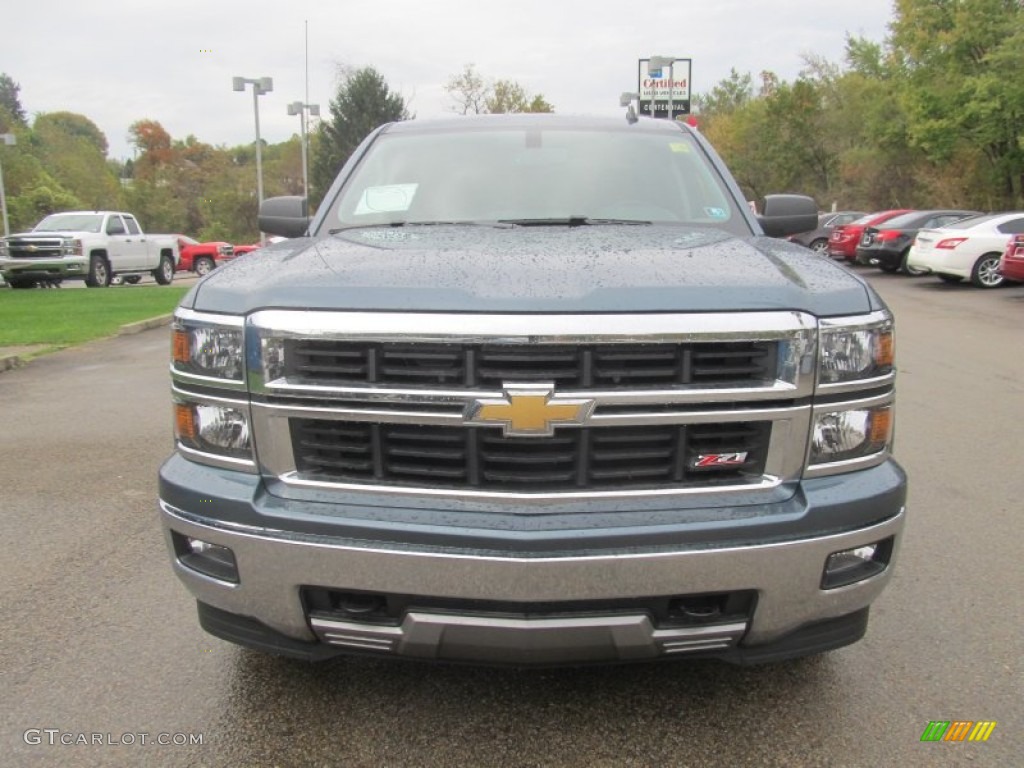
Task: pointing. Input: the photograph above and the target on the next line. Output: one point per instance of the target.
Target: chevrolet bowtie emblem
(528, 410)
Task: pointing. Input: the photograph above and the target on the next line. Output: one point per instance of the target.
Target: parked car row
(952, 244)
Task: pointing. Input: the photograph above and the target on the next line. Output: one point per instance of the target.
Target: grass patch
(64, 317)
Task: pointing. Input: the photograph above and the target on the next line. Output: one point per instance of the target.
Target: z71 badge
(703, 460)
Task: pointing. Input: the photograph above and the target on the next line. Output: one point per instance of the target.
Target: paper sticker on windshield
(716, 213)
(680, 146)
(389, 198)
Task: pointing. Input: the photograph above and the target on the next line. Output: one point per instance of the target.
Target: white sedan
(969, 249)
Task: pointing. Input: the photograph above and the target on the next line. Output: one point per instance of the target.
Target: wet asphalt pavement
(100, 641)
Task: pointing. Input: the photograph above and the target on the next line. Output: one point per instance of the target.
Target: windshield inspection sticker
(386, 199)
(716, 213)
(680, 146)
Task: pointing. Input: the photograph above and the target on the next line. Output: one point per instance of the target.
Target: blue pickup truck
(528, 390)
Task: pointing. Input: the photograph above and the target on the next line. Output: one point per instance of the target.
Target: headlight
(856, 348)
(208, 347)
(71, 247)
(850, 434)
(213, 429)
(4, 252)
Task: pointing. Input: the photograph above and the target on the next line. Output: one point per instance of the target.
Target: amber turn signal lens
(180, 347)
(184, 421)
(885, 352)
(881, 426)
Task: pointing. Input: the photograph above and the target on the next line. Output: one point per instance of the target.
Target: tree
(72, 149)
(473, 94)
(726, 96)
(961, 64)
(362, 104)
(10, 104)
(469, 90)
(510, 97)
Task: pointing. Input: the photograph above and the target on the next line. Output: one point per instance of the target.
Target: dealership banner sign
(658, 85)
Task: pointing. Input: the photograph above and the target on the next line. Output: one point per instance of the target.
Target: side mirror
(783, 215)
(286, 216)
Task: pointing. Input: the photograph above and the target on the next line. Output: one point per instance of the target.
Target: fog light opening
(209, 559)
(849, 566)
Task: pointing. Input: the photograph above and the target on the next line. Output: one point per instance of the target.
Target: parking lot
(99, 637)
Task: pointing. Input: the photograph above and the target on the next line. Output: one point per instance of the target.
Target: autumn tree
(362, 104)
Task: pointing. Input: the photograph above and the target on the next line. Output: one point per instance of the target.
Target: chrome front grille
(480, 458)
(391, 402)
(342, 362)
(41, 248)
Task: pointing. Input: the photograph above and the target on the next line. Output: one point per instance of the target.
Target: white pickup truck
(92, 245)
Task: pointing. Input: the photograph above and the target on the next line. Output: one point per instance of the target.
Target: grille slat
(629, 365)
(481, 458)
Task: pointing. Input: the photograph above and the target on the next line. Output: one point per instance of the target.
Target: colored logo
(958, 730)
(705, 460)
(528, 410)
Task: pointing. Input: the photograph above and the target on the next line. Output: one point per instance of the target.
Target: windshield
(532, 175)
(70, 222)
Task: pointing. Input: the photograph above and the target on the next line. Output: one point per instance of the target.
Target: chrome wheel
(820, 246)
(986, 272)
(204, 267)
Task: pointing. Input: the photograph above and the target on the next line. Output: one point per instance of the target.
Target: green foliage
(362, 104)
(73, 150)
(932, 117)
(510, 97)
(727, 96)
(473, 94)
(11, 111)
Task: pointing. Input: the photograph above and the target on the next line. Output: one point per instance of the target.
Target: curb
(9, 362)
(144, 325)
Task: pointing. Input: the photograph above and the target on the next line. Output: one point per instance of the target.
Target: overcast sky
(118, 61)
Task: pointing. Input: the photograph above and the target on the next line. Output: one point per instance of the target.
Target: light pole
(658, 63)
(260, 86)
(304, 110)
(10, 140)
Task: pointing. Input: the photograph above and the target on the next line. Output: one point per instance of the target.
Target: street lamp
(304, 110)
(260, 86)
(626, 100)
(658, 63)
(10, 140)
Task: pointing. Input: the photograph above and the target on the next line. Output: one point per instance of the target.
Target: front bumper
(784, 572)
(41, 269)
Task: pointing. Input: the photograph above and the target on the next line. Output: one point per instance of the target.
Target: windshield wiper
(568, 221)
(389, 224)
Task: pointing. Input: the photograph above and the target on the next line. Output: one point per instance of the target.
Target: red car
(1011, 265)
(201, 258)
(842, 243)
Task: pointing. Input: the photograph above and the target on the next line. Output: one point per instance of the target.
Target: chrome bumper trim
(523, 641)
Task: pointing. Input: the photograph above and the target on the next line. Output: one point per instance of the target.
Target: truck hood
(54, 233)
(488, 269)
